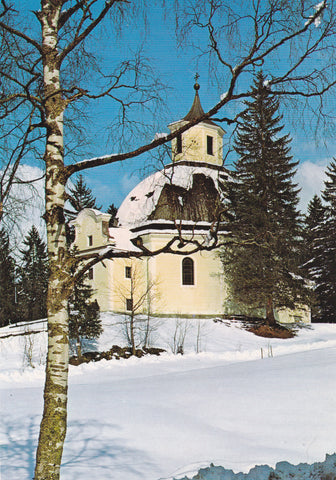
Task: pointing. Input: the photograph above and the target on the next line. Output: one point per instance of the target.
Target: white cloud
(25, 205)
(310, 178)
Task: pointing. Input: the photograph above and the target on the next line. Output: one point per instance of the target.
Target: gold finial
(196, 86)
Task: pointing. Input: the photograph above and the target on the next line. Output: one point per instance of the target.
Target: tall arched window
(188, 271)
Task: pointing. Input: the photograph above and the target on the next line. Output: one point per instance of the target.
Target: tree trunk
(132, 337)
(79, 347)
(54, 420)
(270, 318)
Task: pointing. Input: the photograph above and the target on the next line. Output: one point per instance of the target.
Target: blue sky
(176, 68)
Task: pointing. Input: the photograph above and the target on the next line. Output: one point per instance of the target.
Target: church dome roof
(183, 191)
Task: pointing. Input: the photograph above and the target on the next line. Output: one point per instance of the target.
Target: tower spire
(196, 110)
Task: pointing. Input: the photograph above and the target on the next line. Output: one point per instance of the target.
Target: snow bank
(166, 417)
(282, 471)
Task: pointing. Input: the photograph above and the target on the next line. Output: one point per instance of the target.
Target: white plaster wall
(194, 144)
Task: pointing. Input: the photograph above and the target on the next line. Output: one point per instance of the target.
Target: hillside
(159, 417)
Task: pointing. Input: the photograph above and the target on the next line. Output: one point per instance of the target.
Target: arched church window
(188, 271)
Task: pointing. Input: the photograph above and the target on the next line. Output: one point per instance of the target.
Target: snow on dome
(142, 200)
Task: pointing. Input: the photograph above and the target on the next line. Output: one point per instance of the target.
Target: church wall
(91, 234)
(194, 144)
(129, 282)
(101, 284)
(167, 295)
(205, 297)
(300, 314)
(90, 230)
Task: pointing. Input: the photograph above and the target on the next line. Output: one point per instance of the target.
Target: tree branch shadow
(19, 447)
(95, 449)
(92, 450)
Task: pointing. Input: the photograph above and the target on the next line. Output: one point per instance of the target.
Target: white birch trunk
(54, 421)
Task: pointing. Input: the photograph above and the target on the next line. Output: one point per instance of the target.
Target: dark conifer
(325, 252)
(314, 218)
(313, 233)
(262, 265)
(7, 282)
(112, 210)
(84, 315)
(81, 196)
(33, 277)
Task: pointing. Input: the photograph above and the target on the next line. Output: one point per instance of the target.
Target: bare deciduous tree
(45, 80)
(136, 294)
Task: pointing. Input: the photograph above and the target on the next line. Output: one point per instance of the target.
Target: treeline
(276, 257)
(23, 279)
(320, 249)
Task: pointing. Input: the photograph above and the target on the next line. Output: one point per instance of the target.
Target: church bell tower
(202, 143)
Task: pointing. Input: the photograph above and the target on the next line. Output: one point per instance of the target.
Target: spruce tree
(33, 277)
(325, 252)
(313, 251)
(81, 196)
(8, 310)
(84, 315)
(262, 263)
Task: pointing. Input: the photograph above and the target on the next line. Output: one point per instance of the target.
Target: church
(180, 202)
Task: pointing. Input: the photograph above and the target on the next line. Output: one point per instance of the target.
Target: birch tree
(46, 84)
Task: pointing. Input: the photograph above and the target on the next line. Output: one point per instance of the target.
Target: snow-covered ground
(163, 417)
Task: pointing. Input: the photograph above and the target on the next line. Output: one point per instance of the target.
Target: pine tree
(313, 251)
(33, 277)
(325, 252)
(80, 196)
(8, 311)
(262, 263)
(84, 315)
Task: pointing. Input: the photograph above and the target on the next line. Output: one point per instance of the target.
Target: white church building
(184, 198)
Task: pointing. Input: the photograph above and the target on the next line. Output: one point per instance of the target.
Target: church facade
(180, 202)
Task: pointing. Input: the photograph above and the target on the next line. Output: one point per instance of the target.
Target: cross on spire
(196, 85)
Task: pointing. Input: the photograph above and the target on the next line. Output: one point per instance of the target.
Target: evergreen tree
(8, 311)
(112, 210)
(324, 262)
(33, 277)
(80, 196)
(314, 218)
(313, 251)
(84, 315)
(262, 263)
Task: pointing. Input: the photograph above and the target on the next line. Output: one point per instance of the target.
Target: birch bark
(54, 420)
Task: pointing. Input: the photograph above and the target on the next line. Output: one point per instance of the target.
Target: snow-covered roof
(121, 239)
(92, 212)
(142, 200)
